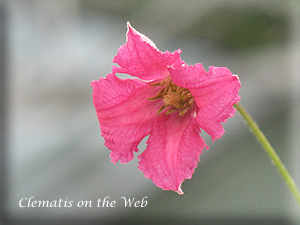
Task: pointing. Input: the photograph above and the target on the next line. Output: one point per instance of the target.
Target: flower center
(174, 97)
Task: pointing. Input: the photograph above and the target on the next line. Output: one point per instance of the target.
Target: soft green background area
(55, 149)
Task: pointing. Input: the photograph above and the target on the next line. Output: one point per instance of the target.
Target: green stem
(271, 152)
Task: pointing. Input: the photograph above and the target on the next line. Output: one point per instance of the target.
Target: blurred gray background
(54, 149)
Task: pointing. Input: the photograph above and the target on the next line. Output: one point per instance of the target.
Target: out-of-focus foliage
(241, 28)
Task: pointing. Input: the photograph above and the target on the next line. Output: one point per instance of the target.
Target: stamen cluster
(174, 97)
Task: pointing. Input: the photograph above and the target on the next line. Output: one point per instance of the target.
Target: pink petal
(139, 57)
(188, 76)
(124, 113)
(173, 150)
(215, 99)
(214, 92)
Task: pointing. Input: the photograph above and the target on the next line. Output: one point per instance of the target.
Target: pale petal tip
(129, 29)
(180, 192)
(133, 31)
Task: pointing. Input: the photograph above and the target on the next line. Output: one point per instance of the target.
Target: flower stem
(271, 152)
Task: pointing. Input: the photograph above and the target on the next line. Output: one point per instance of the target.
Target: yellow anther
(174, 97)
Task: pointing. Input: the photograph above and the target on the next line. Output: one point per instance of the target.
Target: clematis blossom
(168, 100)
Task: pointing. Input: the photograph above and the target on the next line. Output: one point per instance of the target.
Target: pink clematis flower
(171, 101)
